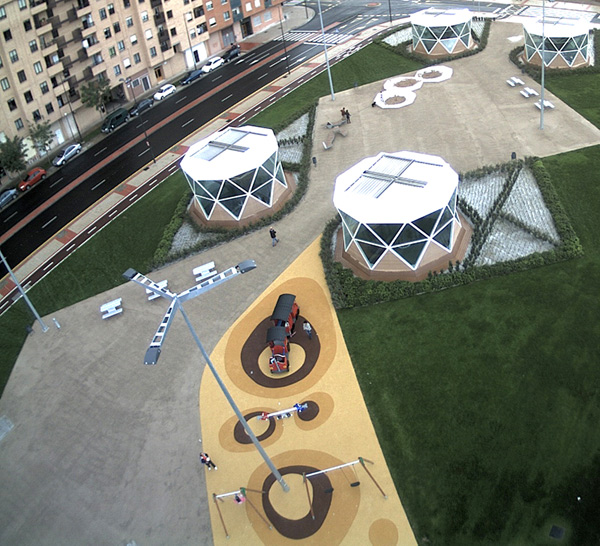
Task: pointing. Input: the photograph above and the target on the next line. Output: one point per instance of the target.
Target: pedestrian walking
(206, 460)
(273, 234)
(314, 160)
(344, 112)
(308, 329)
(347, 116)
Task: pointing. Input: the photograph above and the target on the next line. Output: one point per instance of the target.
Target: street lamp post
(127, 83)
(287, 62)
(543, 63)
(187, 30)
(325, 49)
(177, 301)
(68, 93)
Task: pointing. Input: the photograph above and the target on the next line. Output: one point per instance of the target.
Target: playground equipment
(239, 497)
(283, 414)
(284, 317)
(341, 467)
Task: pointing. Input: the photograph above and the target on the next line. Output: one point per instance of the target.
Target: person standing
(344, 112)
(347, 116)
(206, 460)
(308, 329)
(274, 239)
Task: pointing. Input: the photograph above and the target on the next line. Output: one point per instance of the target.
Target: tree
(96, 94)
(12, 154)
(42, 136)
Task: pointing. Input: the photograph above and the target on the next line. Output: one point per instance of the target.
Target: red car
(32, 178)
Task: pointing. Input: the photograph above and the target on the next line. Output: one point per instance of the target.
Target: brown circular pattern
(240, 435)
(321, 501)
(310, 412)
(255, 344)
(383, 532)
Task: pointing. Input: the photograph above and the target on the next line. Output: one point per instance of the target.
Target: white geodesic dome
(441, 31)
(235, 171)
(564, 42)
(397, 205)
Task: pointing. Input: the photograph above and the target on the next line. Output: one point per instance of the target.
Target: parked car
(232, 53)
(66, 154)
(32, 178)
(141, 106)
(164, 92)
(212, 64)
(7, 196)
(192, 76)
(114, 119)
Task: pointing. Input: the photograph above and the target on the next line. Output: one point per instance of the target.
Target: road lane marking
(187, 123)
(227, 97)
(49, 222)
(99, 152)
(99, 184)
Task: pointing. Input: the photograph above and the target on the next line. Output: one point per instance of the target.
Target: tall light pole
(20, 289)
(127, 83)
(390, 10)
(177, 300)
(543, 63)
(68, 93)
(187, 30)
(325, 49)
(287, 62)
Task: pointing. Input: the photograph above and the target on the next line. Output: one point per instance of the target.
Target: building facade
(49, 49)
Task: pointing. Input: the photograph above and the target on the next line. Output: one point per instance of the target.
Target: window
(44, 88)
(148, 34)
(209, 5)
(212, 22)
(117, 27)
(127, 63)
(198, 12)
(152, 53)
(144, 16)
(19, 124)
(256, 21)
(22, 4)
(4, 84)
(223, 1)
(14, 57)
(267, 16)
(7, 35)
(112, 52)
(170, 14)
(226, 16)
(33, 46)
(22, 76)
(188, 16)
(36, 115)
(107, 33)
(37, 67)
(129, 22)
(102, 13)
(12, 104)
(27, 25)
(126, 3)
(2, 12)
(120, 45)
(49, 108)
(173, 31)
(117, 70)
(257, 3)
(28, 96)
(60, 100)
(248, 6)
(133, 39)
(111, 9)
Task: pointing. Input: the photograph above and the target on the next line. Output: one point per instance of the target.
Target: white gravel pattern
(292, 153)
(481, 193)
(526, 203)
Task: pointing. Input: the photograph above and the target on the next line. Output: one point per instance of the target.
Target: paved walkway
(104, 450)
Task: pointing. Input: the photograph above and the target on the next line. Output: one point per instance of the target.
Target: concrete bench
(111, 308)
(203, 272)
(517, 81)
(153, 295)
(547, 104)
(330, 125)
(328, 142)
(525, 93)
(532, 92)
(511, 83)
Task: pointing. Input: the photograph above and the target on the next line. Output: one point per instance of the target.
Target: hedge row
(535, 72)
(215, 236)
(348, 290)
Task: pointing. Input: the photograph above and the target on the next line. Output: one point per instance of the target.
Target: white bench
(511, 83)
(203, 272)
(532, 92)
(517, 81)
(111, 308)
(153, 295)
(525, 93)
(547, 104)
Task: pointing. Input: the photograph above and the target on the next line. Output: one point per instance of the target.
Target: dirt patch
(405, 83)
(431, 74)
(395, 100)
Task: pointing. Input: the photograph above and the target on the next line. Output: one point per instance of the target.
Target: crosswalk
(315, 37)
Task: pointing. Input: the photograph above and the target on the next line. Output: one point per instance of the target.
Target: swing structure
(356, 483)
(236, 494)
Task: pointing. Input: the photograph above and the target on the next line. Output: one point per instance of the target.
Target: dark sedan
(141, 106)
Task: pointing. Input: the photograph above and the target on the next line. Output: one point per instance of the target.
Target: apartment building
(50, 48)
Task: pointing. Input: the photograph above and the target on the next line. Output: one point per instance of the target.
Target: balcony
(155, 3)
(41, 20)
(38, 6)
(159, 19)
